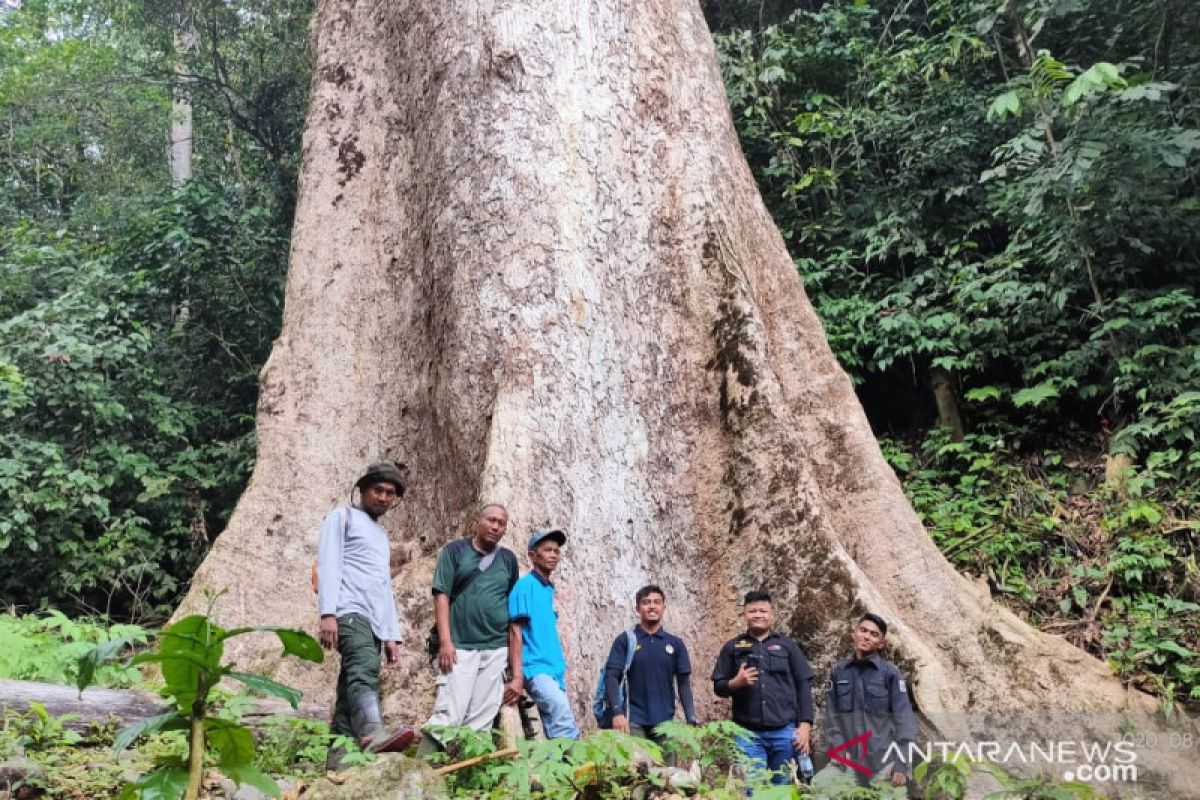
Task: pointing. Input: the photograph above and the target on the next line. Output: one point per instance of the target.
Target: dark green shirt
(479, 614)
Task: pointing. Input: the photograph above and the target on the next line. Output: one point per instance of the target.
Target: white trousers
(471, 694)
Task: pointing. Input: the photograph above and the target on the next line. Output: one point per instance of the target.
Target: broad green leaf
(165, 784)
(301, 645)
(1035, 395)
(100, 654)
(189, 649)
(267, 686)
(983, 394)
(295, 642)
(233, 744)
(249, 776)
(167, 721)
(1007, 104)
(1173, 647)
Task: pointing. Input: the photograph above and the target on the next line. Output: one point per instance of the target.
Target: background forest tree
(993, 207)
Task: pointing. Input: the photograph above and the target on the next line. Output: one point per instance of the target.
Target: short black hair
(646, 591)
(757, 596)
(875, 618)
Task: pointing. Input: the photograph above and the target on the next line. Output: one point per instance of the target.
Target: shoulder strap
(630, 647)
(461, 584)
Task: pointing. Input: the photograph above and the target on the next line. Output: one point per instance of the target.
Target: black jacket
(783, 694)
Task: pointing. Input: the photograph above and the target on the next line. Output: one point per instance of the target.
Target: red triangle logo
(861, 741)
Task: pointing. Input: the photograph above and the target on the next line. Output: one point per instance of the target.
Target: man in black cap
(358, 610)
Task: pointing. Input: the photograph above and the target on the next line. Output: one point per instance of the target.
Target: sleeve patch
(901, 684)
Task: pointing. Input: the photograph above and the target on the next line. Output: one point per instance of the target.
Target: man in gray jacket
(358, 610)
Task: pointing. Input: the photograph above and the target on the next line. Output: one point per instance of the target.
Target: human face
(867, 638)
(759, 617)
(650, 610)
(545, 557)
(489, 527)
(377, 498)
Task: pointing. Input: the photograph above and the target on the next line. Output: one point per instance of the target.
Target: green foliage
(189, 654)
(45, 647)
(128, 373)
(38, 730)
(68, 762)
(944, 778)
(1113, 570)
(293, 746)
(1025, 222)
(133, 318)
(606, 764)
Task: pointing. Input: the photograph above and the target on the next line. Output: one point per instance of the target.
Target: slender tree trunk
(185, 39)
(530, 261)
(941, 383)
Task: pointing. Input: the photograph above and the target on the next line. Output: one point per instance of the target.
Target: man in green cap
(358, 610)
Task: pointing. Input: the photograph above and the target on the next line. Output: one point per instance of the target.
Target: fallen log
(99, 706)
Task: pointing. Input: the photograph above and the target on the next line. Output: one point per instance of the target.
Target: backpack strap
(630, 647)
(462, 583)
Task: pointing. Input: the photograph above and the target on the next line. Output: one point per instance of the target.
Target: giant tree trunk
(530, 261)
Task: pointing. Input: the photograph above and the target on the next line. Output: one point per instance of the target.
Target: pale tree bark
(185, 40)
(530, 261)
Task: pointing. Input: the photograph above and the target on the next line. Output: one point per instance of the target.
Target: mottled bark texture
(530, 261)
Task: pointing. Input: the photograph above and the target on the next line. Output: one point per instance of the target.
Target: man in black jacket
(770, 682)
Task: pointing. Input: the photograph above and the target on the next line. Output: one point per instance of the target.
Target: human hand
(746, 676)
(803, 738)
(899, 778)
(447, 657)
(327, 634)
(513, 690)
(391, 654)
(621, 723)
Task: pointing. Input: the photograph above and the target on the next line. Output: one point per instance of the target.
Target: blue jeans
(555, 710)
(770, 750)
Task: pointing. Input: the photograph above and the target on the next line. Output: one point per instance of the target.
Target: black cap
(383, 472)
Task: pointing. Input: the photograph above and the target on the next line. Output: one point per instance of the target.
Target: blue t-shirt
(531, 603)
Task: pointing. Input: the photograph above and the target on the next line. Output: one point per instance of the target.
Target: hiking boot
(367, 721)
(395, 741)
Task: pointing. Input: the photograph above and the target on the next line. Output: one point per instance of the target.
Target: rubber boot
(334, 758)
(367, 721)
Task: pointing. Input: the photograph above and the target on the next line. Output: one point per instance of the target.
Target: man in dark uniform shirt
(660, 664)
(868, 694)
(770, 682)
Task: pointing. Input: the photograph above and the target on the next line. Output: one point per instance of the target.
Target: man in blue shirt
(660, 663)
(358, 610)
(534, 623)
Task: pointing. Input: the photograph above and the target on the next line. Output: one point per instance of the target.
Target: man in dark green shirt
(471, 583)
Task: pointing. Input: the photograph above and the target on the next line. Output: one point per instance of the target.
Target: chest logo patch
(670, 649)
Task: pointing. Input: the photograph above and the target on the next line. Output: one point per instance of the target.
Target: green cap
(383, 472)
